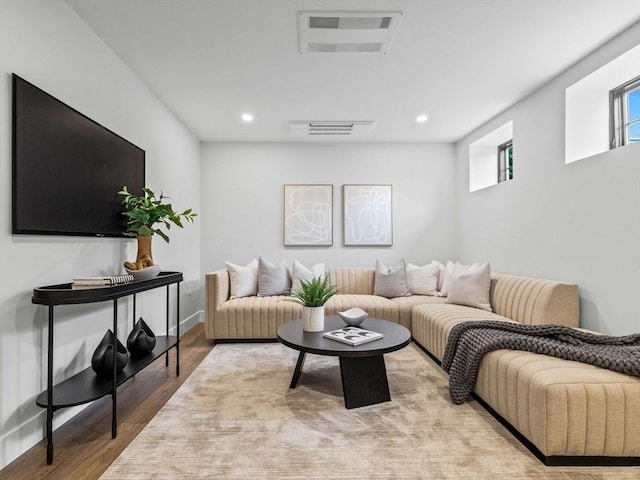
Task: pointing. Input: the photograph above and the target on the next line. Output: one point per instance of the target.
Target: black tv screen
(67, 169)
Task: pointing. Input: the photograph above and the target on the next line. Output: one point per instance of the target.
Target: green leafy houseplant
(315, 292)
(146, 211)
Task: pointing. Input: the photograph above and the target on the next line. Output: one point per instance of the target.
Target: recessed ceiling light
(421, 118)
(247, 117)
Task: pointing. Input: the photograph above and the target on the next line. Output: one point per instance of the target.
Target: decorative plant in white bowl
(313, 294)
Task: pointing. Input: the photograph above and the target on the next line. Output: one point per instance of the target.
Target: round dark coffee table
(362, 368)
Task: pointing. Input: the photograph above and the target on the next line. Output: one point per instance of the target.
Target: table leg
(364, 381)
(114, 396)
(298, 370)
(50, 390)
(177, 329)
(166, 355)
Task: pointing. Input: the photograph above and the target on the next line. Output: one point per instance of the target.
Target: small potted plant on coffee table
(313, 294)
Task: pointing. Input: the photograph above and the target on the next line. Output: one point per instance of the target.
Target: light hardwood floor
(83, 447)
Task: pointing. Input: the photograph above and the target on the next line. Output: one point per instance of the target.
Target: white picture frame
(367, 215)
(308, 215)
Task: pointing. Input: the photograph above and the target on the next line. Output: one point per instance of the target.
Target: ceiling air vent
(347, 32)
(330, 129)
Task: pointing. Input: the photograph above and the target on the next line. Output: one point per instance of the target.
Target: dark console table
(86, 386)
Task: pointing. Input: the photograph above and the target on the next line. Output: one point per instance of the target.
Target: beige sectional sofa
(259, 317)
(566, 412)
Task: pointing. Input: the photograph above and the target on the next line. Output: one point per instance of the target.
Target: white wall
(48, 45)
(242, 199)
(578, 222)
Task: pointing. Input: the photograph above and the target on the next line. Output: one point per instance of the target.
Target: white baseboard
(188, 323)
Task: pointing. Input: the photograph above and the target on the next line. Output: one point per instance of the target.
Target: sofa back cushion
(352, 280)
(535, 300)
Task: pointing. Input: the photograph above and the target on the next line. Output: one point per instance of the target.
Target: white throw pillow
(441, 269)
(300, 272)
(273, 279)
(470, 285)
(243, 280)
(390, 281)
(423, 280)
(445, 276)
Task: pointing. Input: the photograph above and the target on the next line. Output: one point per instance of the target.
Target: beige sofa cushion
(431, 323)
(406, 305)
(254, 317)
(352, 280)
(377, 307)
(535, 301)
(563, 407)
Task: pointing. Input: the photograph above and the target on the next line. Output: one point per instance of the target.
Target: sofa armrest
(216, 285)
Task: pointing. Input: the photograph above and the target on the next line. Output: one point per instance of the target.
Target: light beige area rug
(236, 418)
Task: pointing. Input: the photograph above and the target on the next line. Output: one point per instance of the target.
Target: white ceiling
(459, 61)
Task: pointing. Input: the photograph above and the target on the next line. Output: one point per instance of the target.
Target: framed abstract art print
(367, 215)
(308, 215)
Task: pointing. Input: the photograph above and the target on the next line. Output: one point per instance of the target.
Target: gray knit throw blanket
(469, 341)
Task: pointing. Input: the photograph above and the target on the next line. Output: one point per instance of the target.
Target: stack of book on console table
(100, 282)
(353, 335)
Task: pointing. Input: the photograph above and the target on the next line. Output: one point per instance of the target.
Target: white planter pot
(313, 319)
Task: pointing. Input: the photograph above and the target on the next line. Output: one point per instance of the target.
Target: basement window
(600, 116)
(491, 158)
(505, 161)
(624, 114)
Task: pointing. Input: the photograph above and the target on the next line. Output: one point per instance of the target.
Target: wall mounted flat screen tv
(67, 169)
